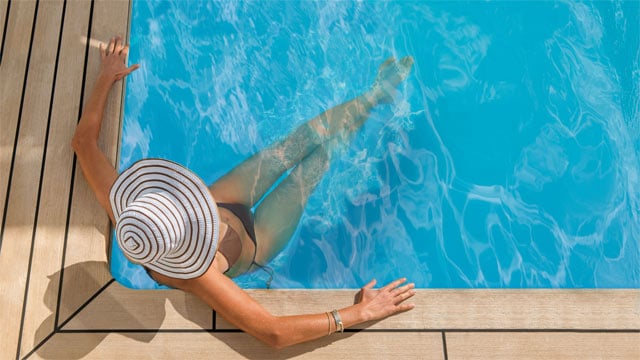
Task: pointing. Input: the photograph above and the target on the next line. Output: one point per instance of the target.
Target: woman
(167, 220)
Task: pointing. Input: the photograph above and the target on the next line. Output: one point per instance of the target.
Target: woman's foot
(390, 74)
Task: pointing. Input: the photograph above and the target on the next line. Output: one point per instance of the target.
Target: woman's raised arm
(97, 169)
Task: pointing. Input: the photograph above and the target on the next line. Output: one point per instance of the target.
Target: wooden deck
(58, 300)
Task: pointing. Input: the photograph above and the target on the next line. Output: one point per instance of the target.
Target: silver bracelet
(338, 321)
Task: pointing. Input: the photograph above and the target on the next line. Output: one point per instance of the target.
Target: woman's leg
(277, 216)
(248, 182)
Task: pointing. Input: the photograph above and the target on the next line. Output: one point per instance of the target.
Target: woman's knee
(314, 166)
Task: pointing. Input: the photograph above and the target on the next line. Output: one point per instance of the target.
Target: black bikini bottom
(245, 215)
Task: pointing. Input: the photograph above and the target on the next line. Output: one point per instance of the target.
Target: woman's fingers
(400, 293)
(370, 285)
(112, 46)
(388, 300)
(119, 46)
(404, 307)
(402, 289)
(115, 46)
(399, 299)
(405, 295)
(114, 59)
(394, 284)
(132, 68)
(406, 287)
(127, 71)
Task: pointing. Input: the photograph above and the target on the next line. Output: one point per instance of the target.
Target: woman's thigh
(248, 182)
(277, 217)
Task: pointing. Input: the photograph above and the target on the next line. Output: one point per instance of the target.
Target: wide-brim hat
(166, 218)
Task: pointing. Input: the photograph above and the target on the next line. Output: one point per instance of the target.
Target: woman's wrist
(363, 314)
(352, 315)
(105, 79)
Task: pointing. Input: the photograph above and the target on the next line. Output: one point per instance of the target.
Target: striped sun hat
(166, 218)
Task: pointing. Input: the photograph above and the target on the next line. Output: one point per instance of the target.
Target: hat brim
(197, 250)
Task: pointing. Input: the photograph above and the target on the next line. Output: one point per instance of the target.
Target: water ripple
(510, 158)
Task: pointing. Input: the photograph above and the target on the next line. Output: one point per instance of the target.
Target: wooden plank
(543, 345)
(478, 309)
(89, 228)
(122, 308)
(12, 72)
(3, 18)
(238, 346)
(22, 203)
(49, 237)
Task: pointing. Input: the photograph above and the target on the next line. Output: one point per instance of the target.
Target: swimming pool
(511, 158)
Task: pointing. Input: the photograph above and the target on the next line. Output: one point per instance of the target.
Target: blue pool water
(511, 158)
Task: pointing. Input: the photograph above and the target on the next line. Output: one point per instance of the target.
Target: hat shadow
(101, 308)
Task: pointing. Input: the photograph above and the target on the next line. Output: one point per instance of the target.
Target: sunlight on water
(509, 159)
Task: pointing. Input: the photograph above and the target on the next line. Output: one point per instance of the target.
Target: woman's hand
(379, 303)
(114, 56)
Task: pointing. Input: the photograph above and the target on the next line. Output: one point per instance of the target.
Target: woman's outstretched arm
(97, 169)
(240, 309)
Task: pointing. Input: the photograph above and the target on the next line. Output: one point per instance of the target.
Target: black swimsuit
(245, 215)
(232, 249)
